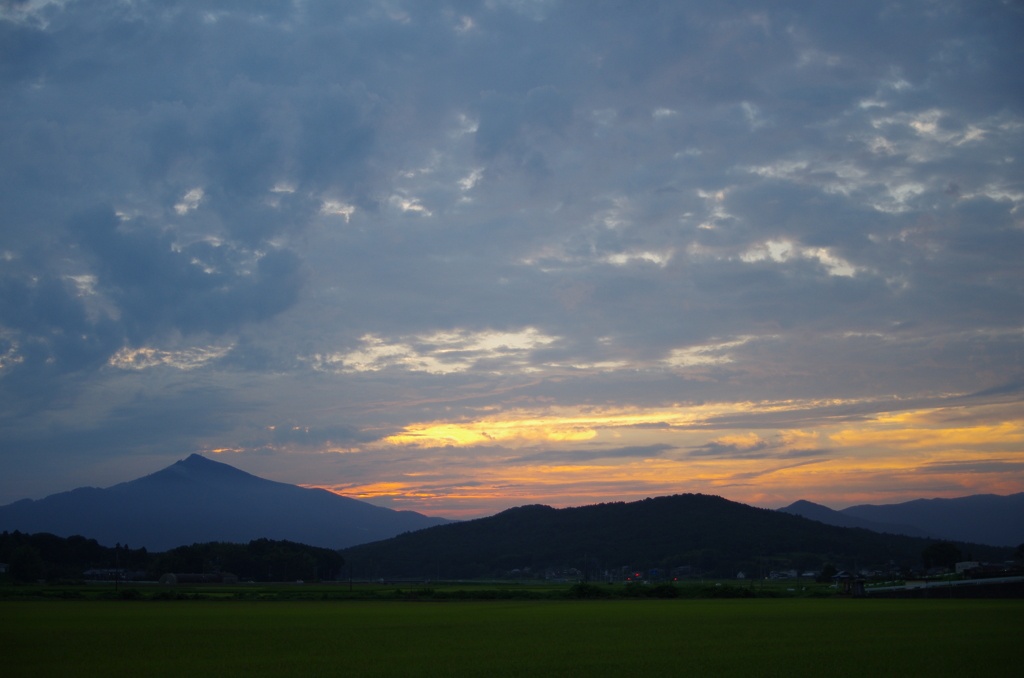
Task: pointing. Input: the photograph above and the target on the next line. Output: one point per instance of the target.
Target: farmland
(753, 637)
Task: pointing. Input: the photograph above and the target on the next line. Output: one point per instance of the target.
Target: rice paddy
(593, 638)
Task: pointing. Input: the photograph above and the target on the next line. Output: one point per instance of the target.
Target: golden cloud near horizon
(519, 426)
(565, 457)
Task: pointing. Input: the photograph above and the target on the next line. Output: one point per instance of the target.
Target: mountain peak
(194, 469)
(801, 504)
(198, 499)
(198, 462)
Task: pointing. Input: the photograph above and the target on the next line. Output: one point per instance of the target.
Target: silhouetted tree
(26, 564)
(940, 554)
(260, 560)
(827, 572)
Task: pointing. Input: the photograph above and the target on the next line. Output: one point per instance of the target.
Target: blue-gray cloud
(570, 456)
(337, 212)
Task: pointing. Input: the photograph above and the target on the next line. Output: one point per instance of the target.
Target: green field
(796, 637)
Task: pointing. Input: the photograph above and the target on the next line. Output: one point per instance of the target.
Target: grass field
(796, 637)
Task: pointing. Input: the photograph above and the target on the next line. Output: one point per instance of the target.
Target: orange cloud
(1006, 434)
(890, 457)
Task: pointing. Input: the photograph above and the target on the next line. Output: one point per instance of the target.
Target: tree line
(31, 557)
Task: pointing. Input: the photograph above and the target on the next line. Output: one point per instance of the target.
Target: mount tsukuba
(201, 500)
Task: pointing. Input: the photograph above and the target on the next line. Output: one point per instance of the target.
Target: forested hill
(46, 556)
(718, 536)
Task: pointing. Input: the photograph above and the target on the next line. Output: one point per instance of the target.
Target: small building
(849, 583)
(966, 565)
(113, 574)
(782, 574)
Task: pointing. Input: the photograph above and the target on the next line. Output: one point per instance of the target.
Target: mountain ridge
(706, 533)
(198, 500)
(991, 519)
(824, 514)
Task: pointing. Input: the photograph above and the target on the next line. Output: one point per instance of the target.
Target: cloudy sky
(460, 256)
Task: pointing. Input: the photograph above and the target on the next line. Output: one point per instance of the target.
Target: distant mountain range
(981, 518)
(201, 500)
(701, 532)
(198, 500)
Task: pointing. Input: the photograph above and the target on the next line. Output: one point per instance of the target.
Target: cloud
(156, 283)
(590, 456)
(482, 231)
(187, 359)
(745, 446)
(441, 352)
(189, 201)
(714, 354)
(785, 445)
(142, 286)
(317, 437)
(782, 251)
(980, 466)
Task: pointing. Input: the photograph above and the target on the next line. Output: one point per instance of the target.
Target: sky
(460, 256)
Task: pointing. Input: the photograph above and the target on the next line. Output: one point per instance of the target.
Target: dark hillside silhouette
(824, 514)
(48, 557)
(983, 518)
(201, 500)
(710, 533)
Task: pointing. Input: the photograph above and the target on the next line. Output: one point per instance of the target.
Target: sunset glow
(563, 459)
(458, 257)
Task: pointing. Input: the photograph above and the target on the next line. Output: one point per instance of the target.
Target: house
(849, 583)
(112, 574)
(988, 570)
(783, 574)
